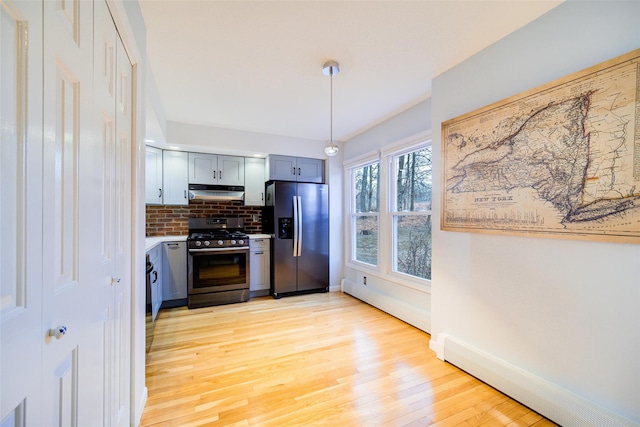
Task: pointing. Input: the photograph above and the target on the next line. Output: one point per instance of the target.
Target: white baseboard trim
(414, 316)
(437, 345)
(554, 402)
(142, 402)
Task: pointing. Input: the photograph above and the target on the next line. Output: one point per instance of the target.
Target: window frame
(351, 240)
(384, 156)
(391, 212)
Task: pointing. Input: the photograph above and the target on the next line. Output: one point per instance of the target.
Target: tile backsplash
(171, 220)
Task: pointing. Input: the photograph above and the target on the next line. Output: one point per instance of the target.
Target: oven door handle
(236, 249)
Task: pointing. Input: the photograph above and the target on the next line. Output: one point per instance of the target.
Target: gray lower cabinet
(155, 281)
(260, 267)
(174, 278)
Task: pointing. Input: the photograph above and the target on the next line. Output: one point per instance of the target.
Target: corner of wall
(437, 345)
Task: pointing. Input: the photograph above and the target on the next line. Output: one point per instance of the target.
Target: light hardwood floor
(320, 359)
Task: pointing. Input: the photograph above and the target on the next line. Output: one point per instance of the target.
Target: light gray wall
(566, 311)
(410, 122)
(191, 137)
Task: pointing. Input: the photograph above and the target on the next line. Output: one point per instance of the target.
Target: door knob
(58, 332)
(115, 280)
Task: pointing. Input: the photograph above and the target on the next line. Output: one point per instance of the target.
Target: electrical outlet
(256, 218)
(364, 279)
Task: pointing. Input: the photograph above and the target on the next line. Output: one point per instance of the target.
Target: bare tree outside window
(413, 181)
(367, 206)
(412, 231)
(367, 181)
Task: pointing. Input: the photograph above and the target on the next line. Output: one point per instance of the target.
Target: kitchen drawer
(260, 244)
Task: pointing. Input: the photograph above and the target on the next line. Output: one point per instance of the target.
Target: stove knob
(207, 243)
(233, 242)
(220, 242)
(241, 242)
(198, 243)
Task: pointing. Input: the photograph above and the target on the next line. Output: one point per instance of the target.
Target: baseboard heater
(552, 401)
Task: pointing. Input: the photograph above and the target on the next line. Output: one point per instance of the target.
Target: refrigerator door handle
(295, 226)
(300, 222)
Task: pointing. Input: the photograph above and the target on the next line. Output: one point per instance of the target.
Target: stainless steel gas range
(218, 262)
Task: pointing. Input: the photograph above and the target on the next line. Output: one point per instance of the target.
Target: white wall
(209, 139)
(390, 293)
(560, 315)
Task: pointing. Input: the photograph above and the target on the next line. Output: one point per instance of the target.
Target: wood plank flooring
(313, 360)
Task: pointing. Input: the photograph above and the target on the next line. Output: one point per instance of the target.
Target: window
(365, 207)
(410, 212)
(389, 209)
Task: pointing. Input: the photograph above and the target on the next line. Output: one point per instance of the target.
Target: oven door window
(219, 269)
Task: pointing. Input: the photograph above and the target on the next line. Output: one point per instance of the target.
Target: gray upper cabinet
(153, 176)
(216, 169)
(310, 170)
(300, 169)
(254, 178)
(175, 177)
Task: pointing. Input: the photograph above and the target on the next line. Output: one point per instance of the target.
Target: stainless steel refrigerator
(297, 214)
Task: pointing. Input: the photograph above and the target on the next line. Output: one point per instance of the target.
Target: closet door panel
(21, 329)
(72, 190)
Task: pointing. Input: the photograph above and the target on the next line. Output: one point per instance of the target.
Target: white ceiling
(257, 65)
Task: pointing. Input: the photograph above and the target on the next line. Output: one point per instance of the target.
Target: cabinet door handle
(219, 174)
(259, 253)
(262, 196)
(214, 174)
(298, 171)
(155, 277)
(294, 171)
(258, 240)
(173, 244)
(185, 194)
(159, 192)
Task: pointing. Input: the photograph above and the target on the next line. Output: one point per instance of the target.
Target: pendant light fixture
(331, 68)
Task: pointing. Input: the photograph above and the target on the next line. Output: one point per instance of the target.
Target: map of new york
(564, 160)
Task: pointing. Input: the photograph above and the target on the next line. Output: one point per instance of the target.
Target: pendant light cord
(330, 68)
(331, 111)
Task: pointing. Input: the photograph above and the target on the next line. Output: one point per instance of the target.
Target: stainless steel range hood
(223, 193)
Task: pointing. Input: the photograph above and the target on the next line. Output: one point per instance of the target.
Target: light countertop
(152, 242)
(259, 236)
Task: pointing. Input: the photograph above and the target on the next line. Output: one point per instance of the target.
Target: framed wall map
(561, 160)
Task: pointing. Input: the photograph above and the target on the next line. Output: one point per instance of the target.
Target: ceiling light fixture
(331, 68)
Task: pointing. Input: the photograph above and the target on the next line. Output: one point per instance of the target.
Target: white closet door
(112, 81)
(122, 283)
(65, 216)
(21, 329)
(73, 378)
